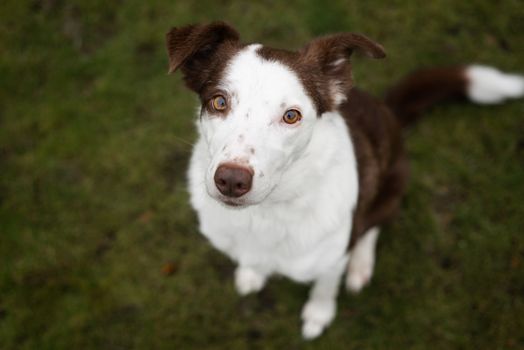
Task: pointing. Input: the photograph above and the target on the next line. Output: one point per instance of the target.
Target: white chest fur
(302, 228)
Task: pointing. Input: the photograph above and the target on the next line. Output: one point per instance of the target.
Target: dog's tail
(423, 88)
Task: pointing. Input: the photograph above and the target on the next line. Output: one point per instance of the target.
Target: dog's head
(259, 106)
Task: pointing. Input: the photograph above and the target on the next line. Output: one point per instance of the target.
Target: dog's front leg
(321, 307)
(249, 280)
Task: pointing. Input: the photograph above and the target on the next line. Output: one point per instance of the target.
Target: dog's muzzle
(233, 180)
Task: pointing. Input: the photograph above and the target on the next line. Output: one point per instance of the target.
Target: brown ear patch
(323, 65)
(198, 49)
(185, 42)
(328, 49)
(330, 55)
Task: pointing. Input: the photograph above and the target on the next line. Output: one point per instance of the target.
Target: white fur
(320, 309)
(296, 220)
(487, 85)
(248, 280)
(337, 92)
(362, 261)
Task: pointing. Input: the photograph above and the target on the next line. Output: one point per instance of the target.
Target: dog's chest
(299, 240)
(298, 246)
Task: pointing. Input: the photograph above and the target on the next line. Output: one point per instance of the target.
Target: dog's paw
(317, 314)
(359, 274)
(248, 280)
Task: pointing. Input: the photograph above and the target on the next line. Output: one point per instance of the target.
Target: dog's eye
(219, 103)
(291, 116)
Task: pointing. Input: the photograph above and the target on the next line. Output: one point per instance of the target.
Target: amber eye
(219, 103)
(291, 116)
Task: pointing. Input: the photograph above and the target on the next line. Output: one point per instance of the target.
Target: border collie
(295, 170)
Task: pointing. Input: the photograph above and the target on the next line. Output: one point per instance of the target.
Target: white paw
(317, 314)
(248, 281)
(359, 274)
(362, 262)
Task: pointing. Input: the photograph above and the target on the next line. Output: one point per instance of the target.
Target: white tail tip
(487, 85)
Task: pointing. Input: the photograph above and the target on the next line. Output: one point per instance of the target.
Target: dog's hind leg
(320, 309)
(366, 228)
(362, 261)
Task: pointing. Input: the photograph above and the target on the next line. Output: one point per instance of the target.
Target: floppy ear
(193, 49)
(330, 54)
(331, 48)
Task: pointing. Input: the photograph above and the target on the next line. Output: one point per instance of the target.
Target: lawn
(99, 248)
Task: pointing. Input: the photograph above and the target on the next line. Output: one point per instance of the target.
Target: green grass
(94, 141)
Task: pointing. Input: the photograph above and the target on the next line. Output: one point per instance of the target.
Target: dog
(295, 170)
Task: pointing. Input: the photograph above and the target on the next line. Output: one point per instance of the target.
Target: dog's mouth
(252, 198)
(230, 203)
(233, 203)
(239, 202)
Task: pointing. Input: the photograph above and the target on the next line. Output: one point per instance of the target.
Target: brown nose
(233, 180)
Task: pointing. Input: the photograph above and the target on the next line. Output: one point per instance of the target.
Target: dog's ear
(192, 49)
(332, 50)
(330, 54)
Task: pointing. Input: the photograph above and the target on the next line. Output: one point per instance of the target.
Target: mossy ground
(94, 141)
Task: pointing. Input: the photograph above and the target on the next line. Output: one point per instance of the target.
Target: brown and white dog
(295, 170)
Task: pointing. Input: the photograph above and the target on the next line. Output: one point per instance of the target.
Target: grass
(100, 250)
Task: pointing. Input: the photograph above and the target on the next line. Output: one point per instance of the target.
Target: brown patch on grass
(105, 244)
(445, 200)
(169, 269)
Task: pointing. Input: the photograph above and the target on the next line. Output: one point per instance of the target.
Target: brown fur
(423, 88)
(202, 53)
(382, 163)
(314, 64)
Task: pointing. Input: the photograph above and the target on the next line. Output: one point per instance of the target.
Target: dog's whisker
(187, 146)
(185, 142)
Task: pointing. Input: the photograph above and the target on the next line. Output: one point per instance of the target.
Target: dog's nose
(233, 180)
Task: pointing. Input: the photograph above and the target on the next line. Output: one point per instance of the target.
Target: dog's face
(256, 120)
(259, 105)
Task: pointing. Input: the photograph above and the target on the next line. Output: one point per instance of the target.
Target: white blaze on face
(259, 92)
